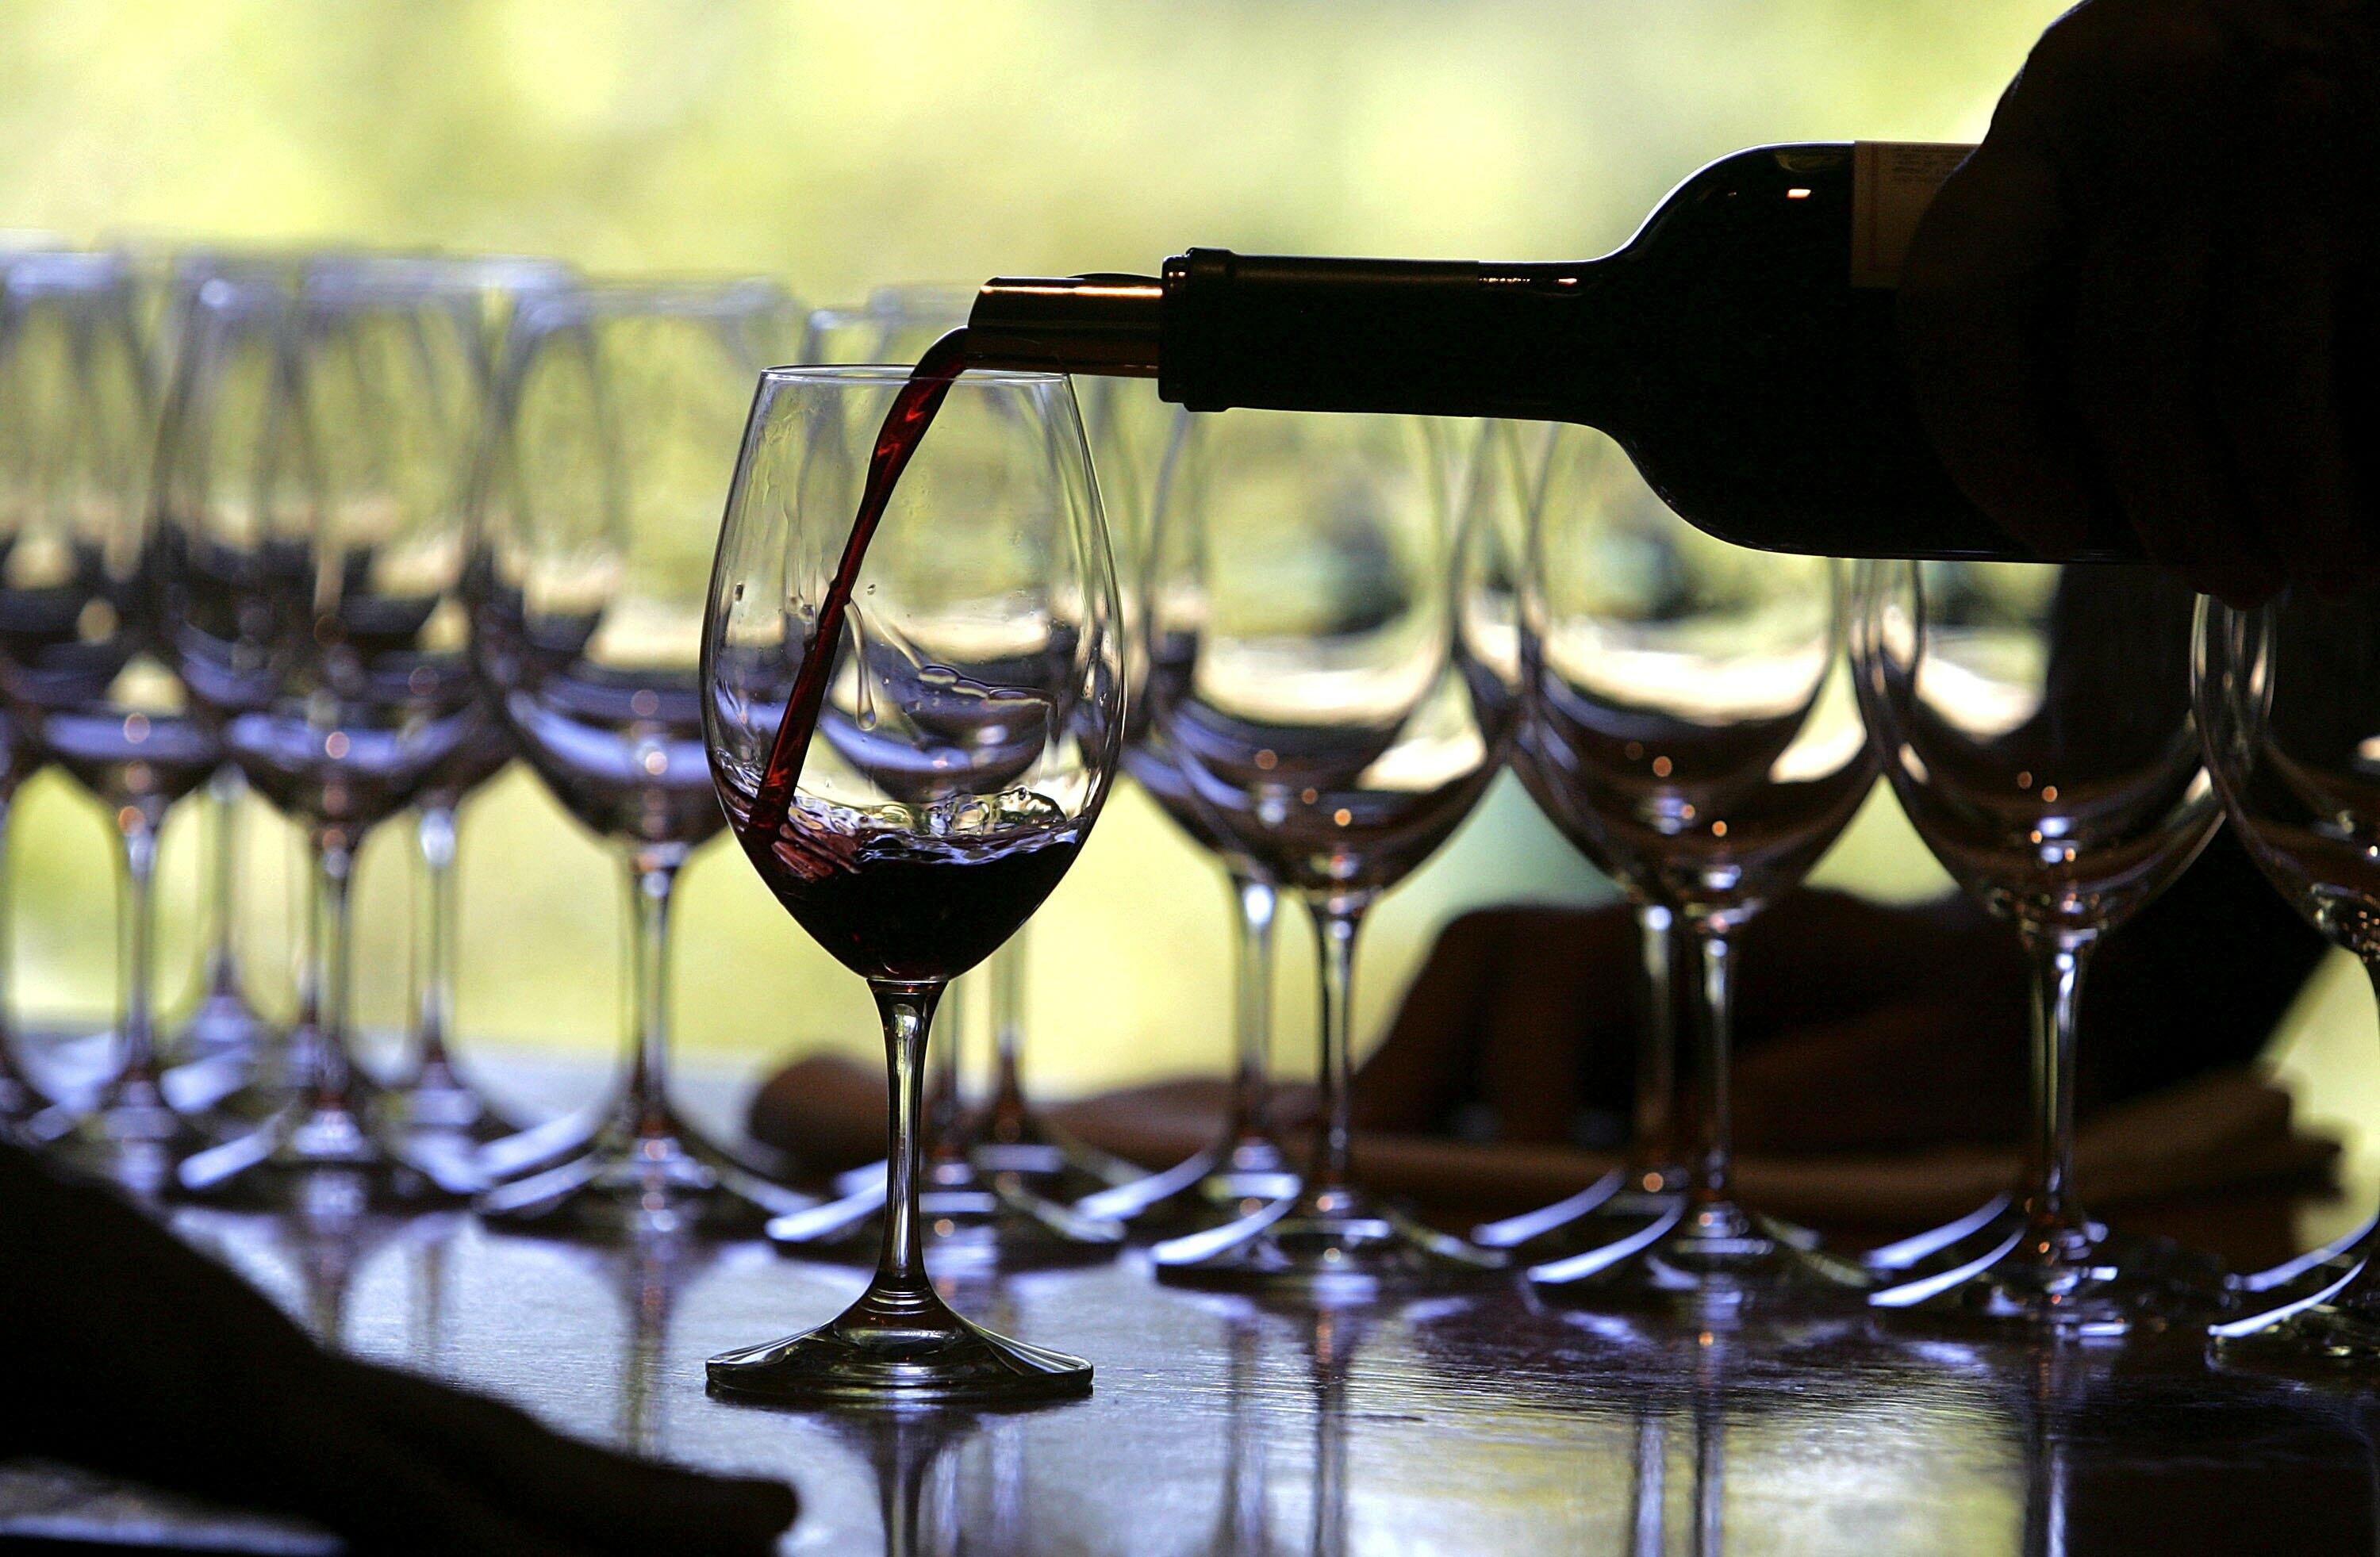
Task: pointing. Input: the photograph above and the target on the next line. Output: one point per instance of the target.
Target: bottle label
(1892, 183)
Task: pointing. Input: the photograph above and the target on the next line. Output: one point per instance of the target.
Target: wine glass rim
(692, 294)
(854, 375)
(64, 270)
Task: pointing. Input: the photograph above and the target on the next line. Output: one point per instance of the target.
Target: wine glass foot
(2316, 1313)
(223, 1027)
(1324, 1246)
(543, 1145)
(132, 1142)
(638, 1179)
(892, 1353)
(1710, 1256)
(2076, 1280)
(437, 1102)
(1615, 1204)
(1028, 1153)
(324, 1163)
(2318, 1338)
(972, 1224)
(1917, 1251)
(1209, 1188)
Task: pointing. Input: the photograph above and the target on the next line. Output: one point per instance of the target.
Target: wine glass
(79, 665)
(2289, 706)
(224, 1037)
(970, 721)
(2036, 726)
(1692, 730)
(1134, 436)
(1300, 619)
(431, 1094)
(1001, 1175)
(1512, 465)
(312, 524)
(615, 436)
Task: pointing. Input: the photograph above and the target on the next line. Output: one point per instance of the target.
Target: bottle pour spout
(1108, 324)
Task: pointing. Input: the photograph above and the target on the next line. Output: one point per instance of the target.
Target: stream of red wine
(905, 426)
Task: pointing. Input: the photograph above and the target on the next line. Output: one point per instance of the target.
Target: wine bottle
(1741, 347)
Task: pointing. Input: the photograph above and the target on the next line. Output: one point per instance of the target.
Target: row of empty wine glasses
(289, 585)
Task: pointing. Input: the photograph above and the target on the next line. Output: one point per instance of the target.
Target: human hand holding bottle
(2150, 289)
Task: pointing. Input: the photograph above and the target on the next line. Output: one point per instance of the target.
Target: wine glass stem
(2058, 962)
(907, 1010)
(1251, 1105)
(326, 1002)
(435, 836)
(1336, 921)
(1006, 1118)
(136, 922)
(1651, 1147)
(1714, 1164)
(652, 877)
(225, 788)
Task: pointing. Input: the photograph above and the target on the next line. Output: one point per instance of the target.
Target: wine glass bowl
(2035, 723)
(967, 720)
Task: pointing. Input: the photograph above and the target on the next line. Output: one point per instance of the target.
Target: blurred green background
(841, 146)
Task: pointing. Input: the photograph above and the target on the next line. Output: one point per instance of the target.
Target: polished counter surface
(1490, 1422)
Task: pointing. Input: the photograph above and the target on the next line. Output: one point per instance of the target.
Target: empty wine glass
(615, 431)
(313, 524)
(78, 650)
(225, 1038)
(431, 1094)
(2035, 723)
(1301, 630)
(969, 721)
(1512, 465)
(1691, 729)
(2288, 701)
(1133, 435)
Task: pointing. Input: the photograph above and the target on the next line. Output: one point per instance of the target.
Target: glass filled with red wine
(615, 436)
(912, 745)
(78, 662)
(1301, 627)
